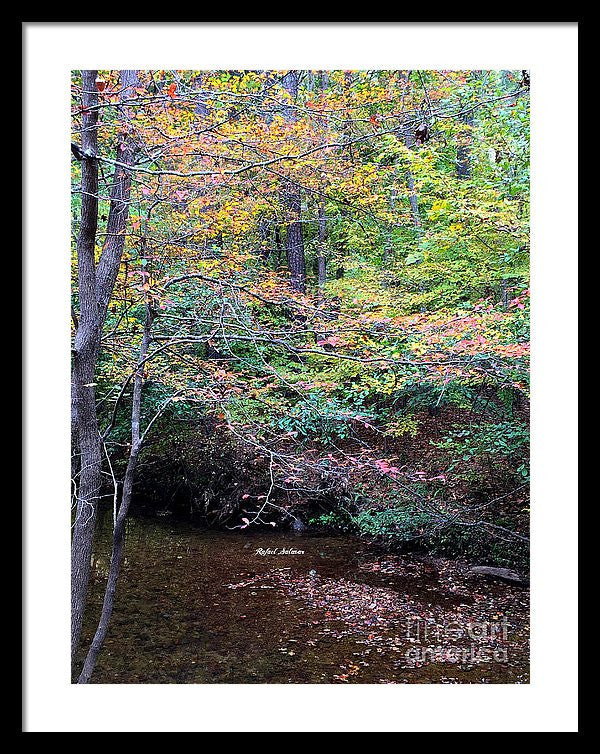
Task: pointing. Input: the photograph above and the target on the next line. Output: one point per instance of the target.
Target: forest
(300, 374)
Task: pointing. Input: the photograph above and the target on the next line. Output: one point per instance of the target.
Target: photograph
(300, 376)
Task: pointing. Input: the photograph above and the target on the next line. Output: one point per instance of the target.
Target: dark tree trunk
(112, 250)
(95, 289)
(201, 106)
(292, 201)
(83, 400)
(119, 530)
(322, 237)
(347, 124)
(409, 140)
(463, 150)
(295, 243)
(278, 244)
(322, 249)
(388, 251)
(413, 199)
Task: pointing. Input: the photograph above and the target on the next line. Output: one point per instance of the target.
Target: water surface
(199, 606)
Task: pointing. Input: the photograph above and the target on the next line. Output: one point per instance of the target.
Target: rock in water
(298, 526)
(504, 574)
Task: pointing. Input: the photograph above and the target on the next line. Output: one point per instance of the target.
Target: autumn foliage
(343, 398)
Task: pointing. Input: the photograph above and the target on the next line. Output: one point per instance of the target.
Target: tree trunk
(412, 198)
(322, 246)
(463, 150)
(505, 294)
(83, 395)
(95, 289)
(112, 250)
(295, 243)
(292, 201)
(119, 530)
(409, 140)
(388, 250)
(347, 124)
(278, 245)
(322, 249)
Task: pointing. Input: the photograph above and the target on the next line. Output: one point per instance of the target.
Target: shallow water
(198, 606)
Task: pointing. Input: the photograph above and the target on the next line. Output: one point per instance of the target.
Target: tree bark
(112, 250)
(347, 124)
(292, 201)
(409, 141)
(414, 201)
(322, 235)
(463, 149)
(95, 289)
(83, 396)
(388, 250)
(119, 529)
(322, 249)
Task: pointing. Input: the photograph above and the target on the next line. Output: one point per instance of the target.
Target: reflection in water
(198, 606)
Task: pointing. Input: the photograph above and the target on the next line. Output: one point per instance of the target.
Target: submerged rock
(298, 526)
(504, 574)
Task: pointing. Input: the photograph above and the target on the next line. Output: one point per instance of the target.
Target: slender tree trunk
(347, 124)
(463, 150)
(95, 289)
(83, 396)
(389, 248)
(295, 243)
(409, 140)
(120, 195)
(322, 249)
(119, 529)
(322, 237)
(201, 106)
(278, 245)
(413, 199)
(292, 201)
